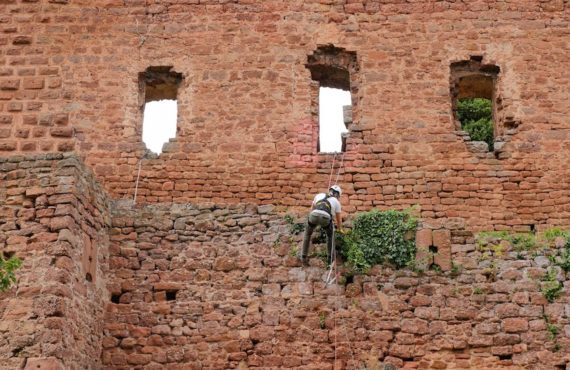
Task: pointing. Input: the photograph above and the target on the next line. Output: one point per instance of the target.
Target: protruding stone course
(237, 288)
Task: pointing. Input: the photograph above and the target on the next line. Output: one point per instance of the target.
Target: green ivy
(351, 252)
(294, 227)
(521, 242)
(554, 232)
(525, 242)
(565, 258)
(476, 117)
(378, 237)
(7, 268)
(551, 288)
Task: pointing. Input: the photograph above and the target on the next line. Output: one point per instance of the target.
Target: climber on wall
(324, 213)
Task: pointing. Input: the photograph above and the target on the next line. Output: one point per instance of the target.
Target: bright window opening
(334, 111)
(159, 123)
(159, 90)
(332, 67)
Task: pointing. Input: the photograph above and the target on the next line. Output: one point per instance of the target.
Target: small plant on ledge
(294, 227)
(551, 287)
(7, 268)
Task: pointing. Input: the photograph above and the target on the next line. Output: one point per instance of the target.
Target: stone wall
(53, 216)
(215, 286)
(210, 287)
(69, 79)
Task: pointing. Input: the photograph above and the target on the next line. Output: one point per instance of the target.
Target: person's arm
(339, 221)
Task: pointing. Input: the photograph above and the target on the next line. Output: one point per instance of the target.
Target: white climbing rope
(137, 181)
(332, 171)
(339, 167)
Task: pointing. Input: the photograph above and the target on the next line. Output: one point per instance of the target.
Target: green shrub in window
(476, 117)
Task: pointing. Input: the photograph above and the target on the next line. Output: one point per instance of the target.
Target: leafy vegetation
(491, 243)
(378, 237)
(322, 319)
(554, 232)
(551, 287)
(294, 227)
(476, 117)
(522, 242)
(7, 268)
(490, 240)
(553, 331)
(565, 258)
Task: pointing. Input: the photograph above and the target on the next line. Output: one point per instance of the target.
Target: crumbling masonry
(198, 272)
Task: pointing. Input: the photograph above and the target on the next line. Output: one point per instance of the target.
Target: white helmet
(336, 188)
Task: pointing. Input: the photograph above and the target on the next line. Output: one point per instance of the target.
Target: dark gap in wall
(171, 295)
(16, 351)
(435, 267)
(349, 279)
(88, 277)
(159, 83)
(433, 249)
(8, 254)
(115, 298)
(506, 357)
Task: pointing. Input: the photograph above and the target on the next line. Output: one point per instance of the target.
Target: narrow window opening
(332, 69)
(334, 109)
(159, 87)
(88, 277)
(433, 249)
(171, 295)
(473, 95)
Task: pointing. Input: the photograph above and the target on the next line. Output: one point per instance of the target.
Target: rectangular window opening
(473, 94)
(335, 111)
(160, 109)
(332, 67)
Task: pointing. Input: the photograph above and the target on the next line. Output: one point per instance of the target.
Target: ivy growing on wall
(7, 268)
(476, 117)
(379, 237)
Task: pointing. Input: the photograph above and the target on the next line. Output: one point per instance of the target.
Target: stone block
(442, 240)
(44, 363)
(424, 238)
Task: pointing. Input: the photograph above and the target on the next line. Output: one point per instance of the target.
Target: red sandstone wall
(243, 299)
(184, 286)
(54, 217)
(68, 81)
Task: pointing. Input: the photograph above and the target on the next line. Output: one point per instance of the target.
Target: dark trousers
(329, 230)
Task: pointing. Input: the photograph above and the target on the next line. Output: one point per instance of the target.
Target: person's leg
(330, 242)
(307, 240)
